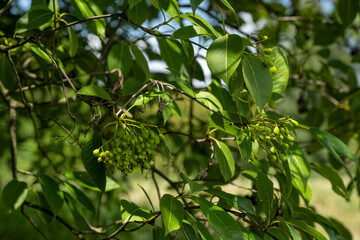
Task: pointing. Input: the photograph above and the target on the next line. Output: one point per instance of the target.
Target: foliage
(87, 110)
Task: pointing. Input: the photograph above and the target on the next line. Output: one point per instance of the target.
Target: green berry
(272, 157)
(273, 69)
(282, 157)
(264, 38)
(157, 140)
(268, 51)
(96, 152)
(276, 130)
(285, 146)
(273, 149)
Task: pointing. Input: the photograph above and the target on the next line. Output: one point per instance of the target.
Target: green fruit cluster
(129, 150)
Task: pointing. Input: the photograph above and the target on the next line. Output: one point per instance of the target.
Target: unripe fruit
(272, 157)
(294, 122)
(96, 152)
(272, 104)
(290, 138)
(102, 155)
(282, 157)
(276, 130)
(285, 146)
(273, 149)
(264, 38)
(157, 140)
(268, 51)
(273, 69)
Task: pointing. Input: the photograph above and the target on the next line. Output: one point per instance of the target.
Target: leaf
(120, 58)
(306, 228)
(80, 196)
(145, 98)
(199, 21)
(347, 11)
(203, 231)
(37, 15)
(130, 212)
(188, 50)
(258, 80)
(298, 164)
(238, 202)
(133, 3)
(195, 4)
(190, 32)
(52, 192)
(188, 230)
(265, 192)
(139, 14)
(220, 220)
(74, 42)
(141, 60)
(172, 213)
(83, 179)
(333, 176)
(225, 158)
(228, 5)
(194, 186)
(171, 53)
(95, 91)
(245, 144)
(294, 235)
(78, 215)
(7, 75)
(224, 56)
(131, 86)
(281, 77)
(209, 100)
(95, 169)
(14, 194)
(86, 9)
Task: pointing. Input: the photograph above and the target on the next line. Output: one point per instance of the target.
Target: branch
(13, 141)
(6, 7)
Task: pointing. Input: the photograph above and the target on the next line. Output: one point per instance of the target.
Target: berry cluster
(266, 56)
(131, 149)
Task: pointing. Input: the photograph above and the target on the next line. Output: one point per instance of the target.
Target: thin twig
(13, 141)
(6, 7)
(32, 223)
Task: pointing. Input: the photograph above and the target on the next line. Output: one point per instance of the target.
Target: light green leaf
(220, 220)
(333, 176)
(265, 193)
(73, 41)
(52, 192)
(303, 226)
(281, 77)
(209, 100)
(95, 169)
(306, 194)
(190, 32)
(145, 98)
(194, 186)
(141, 60)
(80, 196)
(95, 91)
(37, 15)
(225, 158)
(258, 80)
(14, 194)
(224, 56)
(83, 179)
(298, 164)
(347, 11)
(120, 58)
(199, 21)
(172, 213)
(188, 230)
(130, 212)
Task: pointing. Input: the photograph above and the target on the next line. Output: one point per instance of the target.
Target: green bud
(282, 157)
(96, 152)
(273, 69)
(273, 149)
(268, 51)
(276, 130)
(157, 140)
(272, 157)
(285, 146)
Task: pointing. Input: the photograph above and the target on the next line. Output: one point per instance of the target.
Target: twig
(156, 185)
(13, 141)
(32, 223)
(26, 173)
(6, 7)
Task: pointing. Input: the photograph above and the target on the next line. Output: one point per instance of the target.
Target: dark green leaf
(224, 56)
(14, 194)
(78, 215)
(120, 58)
(245, 144)
(52, 192)
(80, 196)
(225, 158)
(172, 213)
(73, 41)
(188, 50)
(228, 5)
(195, 4)
(133, 3)
(7, 75)
(38, 15)
(265, 192)
(303, 226)
(171, 53)
(199, 21)
(281, 77)
(95, 91)
(203, 231)
(130, 212)
(220, 220)
(194, 186)
(95, 169)
(188, 230)
(141, 60)
(190, 32)
(347, 10)
(258, 80)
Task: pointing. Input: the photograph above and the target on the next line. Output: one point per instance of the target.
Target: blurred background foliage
(322, 46)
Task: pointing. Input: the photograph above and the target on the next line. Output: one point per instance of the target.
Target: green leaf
(133, 3)
(139, 14)
(37, 50)
(78, 215)
(73, 41)
(188, 230)
(228, 5)
(265, 193)
(220, 220)
(14, 194)
(199, 21)
(37, 15)
(145, 98)
(294, 235)
(131, 86)
(333, 176)
(194, 186)
(195, 4)
(258, 80)
(278, 233)
(238, 202)
(171, 53)
(245, 145)
(298, 164)
(224, 56)
(172, 213)
(95, 169)
(209, 100)
(347, 10)
(306, 194)
(190, 32)
(303, 226)
(83, 179)
(86, 9)
(120, 58)
(281, 77)
(95, 91)
(225, 158)
(80, 196)
(130, 212)
(52, 192)
(203, 231)
(141, 60)
(7, 75)
(188, 50)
